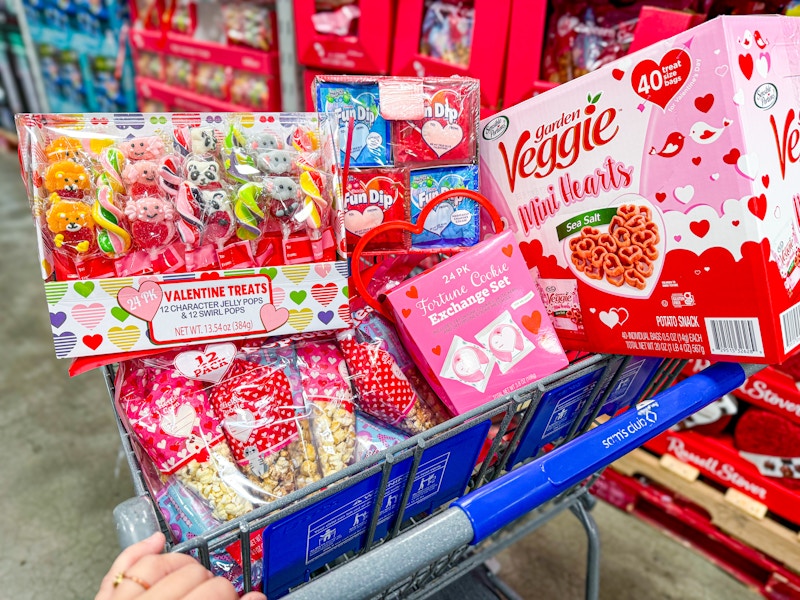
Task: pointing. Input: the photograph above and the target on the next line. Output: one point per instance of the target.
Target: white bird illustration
(703, 133)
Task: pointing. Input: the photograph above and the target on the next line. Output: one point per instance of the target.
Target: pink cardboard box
(488, 47)
(369, 51)
(657, 196)
(476, 325)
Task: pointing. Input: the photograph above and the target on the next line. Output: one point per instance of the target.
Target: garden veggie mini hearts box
(660, 193)
(475, 325)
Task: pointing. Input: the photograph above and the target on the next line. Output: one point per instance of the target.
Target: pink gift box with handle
(476, 325)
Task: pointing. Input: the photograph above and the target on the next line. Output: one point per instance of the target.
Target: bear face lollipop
(152, 222)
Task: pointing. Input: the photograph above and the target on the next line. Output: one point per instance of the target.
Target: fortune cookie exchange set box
(657, 197)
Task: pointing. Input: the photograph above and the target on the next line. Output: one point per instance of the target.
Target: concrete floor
(62, 473)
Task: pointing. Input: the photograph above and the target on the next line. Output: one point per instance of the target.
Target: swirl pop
(247, 211)
(112, 162)
(190, 225)
(169, 178)
(111, 236)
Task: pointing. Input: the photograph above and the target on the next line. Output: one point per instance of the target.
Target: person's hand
(142, 572)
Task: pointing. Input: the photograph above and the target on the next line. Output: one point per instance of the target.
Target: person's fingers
(177, 584)
(254, 596)
(150, 570)
(218, 588)
(127, 558)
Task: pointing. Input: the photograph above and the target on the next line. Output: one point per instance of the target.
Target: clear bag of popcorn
(329, 398)
(389, 386)
(168, 411)
(265, 420)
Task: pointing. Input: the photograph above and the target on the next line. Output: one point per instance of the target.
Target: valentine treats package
(166, 229)
(476, 325)
(402, 142)
(657, 197)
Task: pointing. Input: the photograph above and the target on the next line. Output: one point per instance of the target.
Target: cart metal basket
(409, 521)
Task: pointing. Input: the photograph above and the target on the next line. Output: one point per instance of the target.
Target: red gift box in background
(490, 22)
(368, 50)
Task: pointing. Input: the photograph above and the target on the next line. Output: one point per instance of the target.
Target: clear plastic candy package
(404, 141)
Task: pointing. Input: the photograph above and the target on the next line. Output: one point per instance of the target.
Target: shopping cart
(411, 520)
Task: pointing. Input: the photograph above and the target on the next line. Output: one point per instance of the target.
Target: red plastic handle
(406, 226)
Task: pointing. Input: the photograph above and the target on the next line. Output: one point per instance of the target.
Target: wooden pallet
(723, 526)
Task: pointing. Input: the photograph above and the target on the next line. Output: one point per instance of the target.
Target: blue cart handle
(504, 500)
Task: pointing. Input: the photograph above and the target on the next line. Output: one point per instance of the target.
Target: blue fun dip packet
(371, 132)
(456, 221)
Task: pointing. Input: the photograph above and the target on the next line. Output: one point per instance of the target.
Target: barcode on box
(735, 337)
(790, 327)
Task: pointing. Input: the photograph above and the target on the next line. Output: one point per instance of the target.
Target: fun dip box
(657, 197)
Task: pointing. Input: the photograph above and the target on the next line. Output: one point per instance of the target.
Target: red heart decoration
(508, 250)
(210, 275)
(674, 67)
(732, 156)
(437, 350)
(704, 103)
(746, 65)
(661, 196)
(765, 180)
(700, 228)
(758, 206)
(362, 244)
(618, 74)
(532, 322)
(412, 292)
(696, 160)
(93, 341)
(406, 312)
(735, 223)
(324, 293)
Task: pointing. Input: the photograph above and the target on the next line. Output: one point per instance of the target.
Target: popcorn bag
(171, 417)
(267, 430)
(389, 385)
(656, 196)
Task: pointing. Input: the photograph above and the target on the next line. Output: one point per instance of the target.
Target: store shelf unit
(80, 55)
(204, 74)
